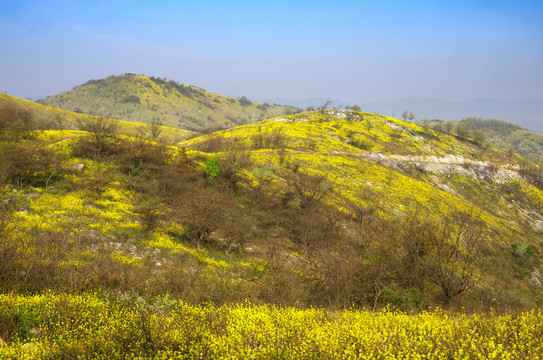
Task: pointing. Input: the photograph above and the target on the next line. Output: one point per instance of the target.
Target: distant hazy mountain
(304, 103)
(527, 113)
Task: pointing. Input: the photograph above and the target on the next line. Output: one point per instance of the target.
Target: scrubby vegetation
(499, 133)
(50, 118)
(119, 245)
(68, 326)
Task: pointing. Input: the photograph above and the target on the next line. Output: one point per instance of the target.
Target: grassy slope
(101, 232)
(53, 117)
(525, 143)
(139, 98)
(116, 282)
(352, 154)
(351, 149)
(513, 138)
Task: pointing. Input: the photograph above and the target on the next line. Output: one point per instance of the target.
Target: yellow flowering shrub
(125, 326)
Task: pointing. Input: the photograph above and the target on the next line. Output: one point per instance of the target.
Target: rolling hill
(48, 117)
(178, 248)
(142, 99)
(286, 210)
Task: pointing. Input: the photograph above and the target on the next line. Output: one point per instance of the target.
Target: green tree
(356, 108)
(479, 138)
(463, 129)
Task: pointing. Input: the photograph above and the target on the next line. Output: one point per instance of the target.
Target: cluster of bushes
(16, 123)
(533, 173)
(188, 91)
(132, 99)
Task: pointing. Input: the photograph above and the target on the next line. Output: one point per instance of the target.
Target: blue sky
(355, 51)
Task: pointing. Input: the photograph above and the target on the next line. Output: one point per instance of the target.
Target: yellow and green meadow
(120, 326)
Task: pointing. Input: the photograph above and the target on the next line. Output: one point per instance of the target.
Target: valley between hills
(142, 218)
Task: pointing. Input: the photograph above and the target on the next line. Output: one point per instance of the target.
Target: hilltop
(142, 99)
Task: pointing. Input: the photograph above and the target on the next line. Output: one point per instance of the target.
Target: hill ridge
(140, 98)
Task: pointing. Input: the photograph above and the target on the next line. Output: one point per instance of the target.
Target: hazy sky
(355, 51)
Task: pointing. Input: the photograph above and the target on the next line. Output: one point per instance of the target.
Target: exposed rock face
(78, 166)
(535, 279)
(450, 164)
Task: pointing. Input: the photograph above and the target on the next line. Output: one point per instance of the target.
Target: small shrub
(521, 250)
(211, 145)
(131, 99)
(244, 101)
(363, 144)
(265, 173)
(212, 167)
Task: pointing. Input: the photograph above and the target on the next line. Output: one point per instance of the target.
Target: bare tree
(408, 115)
(453, 261)
(324, 106)
(16, 122)
(102, 131)
(155, 128)
(201, 214)
(446, 250)
(101, 128)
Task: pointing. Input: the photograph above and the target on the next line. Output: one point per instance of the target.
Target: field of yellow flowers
(122, 326)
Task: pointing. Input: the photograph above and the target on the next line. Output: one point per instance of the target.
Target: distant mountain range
(527, 113)
(305, 103)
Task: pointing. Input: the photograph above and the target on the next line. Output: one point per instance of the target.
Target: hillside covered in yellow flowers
(197, 245)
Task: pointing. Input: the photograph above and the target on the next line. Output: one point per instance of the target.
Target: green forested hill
(144, 99)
